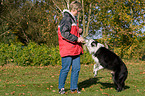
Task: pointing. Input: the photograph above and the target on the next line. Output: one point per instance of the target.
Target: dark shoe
(62, 91)
(75, 91)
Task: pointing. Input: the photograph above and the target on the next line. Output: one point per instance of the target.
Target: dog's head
(93, 45)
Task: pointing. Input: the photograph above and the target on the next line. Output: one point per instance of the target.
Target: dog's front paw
(95, 73)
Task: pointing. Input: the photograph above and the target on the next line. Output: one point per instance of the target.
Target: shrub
(3, 56)
(42, 55)
(86, 58)
(34, 55)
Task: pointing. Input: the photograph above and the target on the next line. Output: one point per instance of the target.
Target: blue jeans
(66, 64)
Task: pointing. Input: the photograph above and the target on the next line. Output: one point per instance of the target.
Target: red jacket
(68, 35)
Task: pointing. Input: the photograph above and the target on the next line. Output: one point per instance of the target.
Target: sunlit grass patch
(43, 81)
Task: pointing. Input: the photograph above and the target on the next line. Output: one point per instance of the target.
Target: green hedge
(34, 55)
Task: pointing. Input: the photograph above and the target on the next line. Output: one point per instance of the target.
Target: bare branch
(68, 4)
(89, 19)
(5, 32)
(56, 6)
(84, 29)
(25, 36)
(54, 9)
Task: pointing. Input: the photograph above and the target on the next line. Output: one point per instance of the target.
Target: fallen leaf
(13, 92)
(83, 89)
(6, 93)
(23, 85)
(101, 89)
(142, 72)
(106, 94)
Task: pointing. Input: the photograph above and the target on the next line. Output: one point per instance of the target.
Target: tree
(27, 22)
(120, 21)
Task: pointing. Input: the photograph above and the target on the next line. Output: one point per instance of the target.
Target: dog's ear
(94, 43)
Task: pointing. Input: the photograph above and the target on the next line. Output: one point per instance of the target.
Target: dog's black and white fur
(105, 58)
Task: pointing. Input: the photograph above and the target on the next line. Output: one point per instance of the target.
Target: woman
(70, 47)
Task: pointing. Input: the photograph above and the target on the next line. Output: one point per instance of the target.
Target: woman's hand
(80, 39)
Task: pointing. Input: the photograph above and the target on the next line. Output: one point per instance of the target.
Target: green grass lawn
(43, 81)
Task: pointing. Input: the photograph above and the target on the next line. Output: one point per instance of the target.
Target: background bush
(34, 55)
(43, 55)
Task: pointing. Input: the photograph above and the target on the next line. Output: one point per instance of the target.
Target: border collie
(105, 58)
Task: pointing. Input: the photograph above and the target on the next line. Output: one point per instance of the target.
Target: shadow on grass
(91, 81)
(110, 85)
(88, 83)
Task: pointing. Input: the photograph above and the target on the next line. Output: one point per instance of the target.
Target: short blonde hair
(75, 5)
